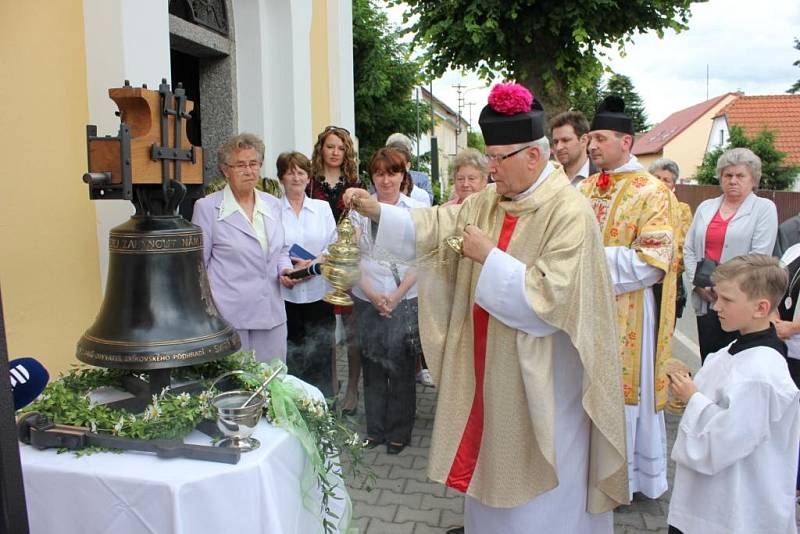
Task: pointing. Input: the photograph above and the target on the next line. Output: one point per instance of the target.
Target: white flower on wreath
(118, 427)
(184, 399)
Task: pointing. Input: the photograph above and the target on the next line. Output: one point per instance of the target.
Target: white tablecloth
(138, 493)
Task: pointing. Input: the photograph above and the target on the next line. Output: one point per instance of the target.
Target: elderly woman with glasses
(469, 175)
(333, 170)
(244, 250)
(736, 223)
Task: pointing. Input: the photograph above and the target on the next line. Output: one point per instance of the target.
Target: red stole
(468, 449)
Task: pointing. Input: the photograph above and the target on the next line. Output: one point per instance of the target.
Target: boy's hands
(682, 386)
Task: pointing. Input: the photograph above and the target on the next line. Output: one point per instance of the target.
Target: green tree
(547, 45)
(422, 163)
(585, 95)
(475, 140)
(774, 174)
(622, 86)
(794, 89)
(384, 78)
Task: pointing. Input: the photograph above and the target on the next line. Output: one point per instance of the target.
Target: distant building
(682, 136)
(778, 113)
(451, 133)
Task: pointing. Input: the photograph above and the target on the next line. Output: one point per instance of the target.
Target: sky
(746, 46)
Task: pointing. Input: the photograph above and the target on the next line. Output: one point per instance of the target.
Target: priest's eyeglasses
(497, 158)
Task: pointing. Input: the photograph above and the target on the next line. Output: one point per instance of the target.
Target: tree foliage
(551, 46)
(622, 86)
(384, 78)
(774, 174)
(586, 97)
(794, 89)
(475, 140)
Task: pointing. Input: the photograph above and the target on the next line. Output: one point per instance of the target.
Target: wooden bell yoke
(151, 147)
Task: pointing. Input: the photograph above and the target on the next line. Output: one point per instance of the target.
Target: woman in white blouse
(307, 223)
(386, 314)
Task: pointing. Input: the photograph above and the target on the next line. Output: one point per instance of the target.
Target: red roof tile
(779, 113)
(653, 141)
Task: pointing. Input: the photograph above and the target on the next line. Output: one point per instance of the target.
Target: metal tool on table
(38, 431)
(239, 411)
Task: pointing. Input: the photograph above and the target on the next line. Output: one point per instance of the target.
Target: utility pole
(458, 87)
(417, 89)
(434, 143)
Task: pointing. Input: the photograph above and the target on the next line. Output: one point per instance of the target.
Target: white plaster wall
(273, 74)
(251, 96)
(719, 131)
(125, 39)
(340, 63)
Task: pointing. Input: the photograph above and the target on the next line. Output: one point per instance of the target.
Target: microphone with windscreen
(312, 270)
(28, 379)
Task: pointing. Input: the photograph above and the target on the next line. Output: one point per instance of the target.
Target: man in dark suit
(570, 134)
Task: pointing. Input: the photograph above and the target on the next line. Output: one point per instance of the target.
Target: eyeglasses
(497, 158)
(244, 165)
(331, 127)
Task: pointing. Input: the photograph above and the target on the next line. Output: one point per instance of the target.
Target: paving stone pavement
(403, 500)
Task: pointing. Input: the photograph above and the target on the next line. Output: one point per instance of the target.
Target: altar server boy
(736, 449)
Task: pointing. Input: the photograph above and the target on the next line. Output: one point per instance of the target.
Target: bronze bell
(158, 312)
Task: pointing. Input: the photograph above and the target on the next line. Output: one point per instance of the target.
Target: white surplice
(645, 430)
(501, 292)
(736, 449)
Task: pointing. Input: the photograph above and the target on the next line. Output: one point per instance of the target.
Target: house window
(721, 137)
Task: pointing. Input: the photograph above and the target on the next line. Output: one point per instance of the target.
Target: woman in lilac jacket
(244, 251)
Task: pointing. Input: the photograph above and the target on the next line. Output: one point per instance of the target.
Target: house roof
(426, 95)
(653, 141)
(779, 113)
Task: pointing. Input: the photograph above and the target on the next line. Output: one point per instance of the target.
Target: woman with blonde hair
(334, 170)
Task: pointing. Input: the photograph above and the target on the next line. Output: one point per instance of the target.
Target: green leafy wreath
(322, 433)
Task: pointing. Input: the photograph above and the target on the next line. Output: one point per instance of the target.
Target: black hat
(512, 116)
(610, 115)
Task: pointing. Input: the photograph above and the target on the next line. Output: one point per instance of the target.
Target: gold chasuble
(496, 442)
(637, 211)
(684, 222)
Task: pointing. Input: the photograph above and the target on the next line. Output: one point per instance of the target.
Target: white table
(138, 493)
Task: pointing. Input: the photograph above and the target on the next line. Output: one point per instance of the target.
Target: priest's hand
(682, 386)
(477, 244)
(361, 201)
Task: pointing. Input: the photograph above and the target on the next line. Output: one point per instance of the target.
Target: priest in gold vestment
(529, 420)
(637, 215)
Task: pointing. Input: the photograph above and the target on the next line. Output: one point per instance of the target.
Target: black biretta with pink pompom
(512, 116)
(610, 115)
